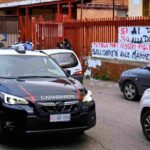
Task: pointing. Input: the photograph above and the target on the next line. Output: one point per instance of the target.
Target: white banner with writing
(134, 34)
(122, 51)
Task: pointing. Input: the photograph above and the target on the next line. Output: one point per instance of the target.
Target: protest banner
(121, 51)
(134, 34)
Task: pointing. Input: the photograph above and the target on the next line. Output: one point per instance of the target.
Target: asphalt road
(118, 126)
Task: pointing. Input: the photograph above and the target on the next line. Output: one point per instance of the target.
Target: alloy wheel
(130, 91)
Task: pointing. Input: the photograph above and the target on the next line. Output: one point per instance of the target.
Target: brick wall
(111, 69)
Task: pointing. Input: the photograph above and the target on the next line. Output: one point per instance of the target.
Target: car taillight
(78, 73)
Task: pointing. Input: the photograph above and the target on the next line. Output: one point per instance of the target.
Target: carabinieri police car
(37, 96)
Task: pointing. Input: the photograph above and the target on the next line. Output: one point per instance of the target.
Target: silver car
(134, 82)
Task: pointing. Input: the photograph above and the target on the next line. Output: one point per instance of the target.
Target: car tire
(130, 91)
(145, 121)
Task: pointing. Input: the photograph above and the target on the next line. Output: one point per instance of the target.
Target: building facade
(60, 9)
(103, 9)
(139, 8)
(50, 9)
(28, 10)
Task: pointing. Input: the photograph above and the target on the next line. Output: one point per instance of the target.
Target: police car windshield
(14, 66)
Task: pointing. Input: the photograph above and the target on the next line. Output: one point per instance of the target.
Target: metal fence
(82, 33)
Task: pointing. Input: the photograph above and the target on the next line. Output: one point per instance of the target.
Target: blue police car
(37, 96)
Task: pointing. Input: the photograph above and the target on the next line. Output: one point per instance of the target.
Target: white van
(68, 60)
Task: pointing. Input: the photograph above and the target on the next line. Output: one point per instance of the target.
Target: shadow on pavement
(41, 141)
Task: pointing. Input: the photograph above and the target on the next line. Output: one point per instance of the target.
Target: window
(146, 7)
(65, 60)
(26, 65)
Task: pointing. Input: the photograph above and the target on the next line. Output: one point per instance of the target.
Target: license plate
(60, 118)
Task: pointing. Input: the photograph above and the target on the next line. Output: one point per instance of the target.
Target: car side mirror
(147, 67)
(68, 72)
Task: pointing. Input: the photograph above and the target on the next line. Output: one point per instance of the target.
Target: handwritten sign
(121, 51)
(137, 35)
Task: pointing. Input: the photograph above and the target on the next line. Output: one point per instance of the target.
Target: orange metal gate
(47, 35)
(27, 26)
(82, 33)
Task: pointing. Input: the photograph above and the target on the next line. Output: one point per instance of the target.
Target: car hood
(42, 89)
(136, 71)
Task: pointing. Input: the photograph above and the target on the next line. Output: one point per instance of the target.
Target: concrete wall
(135, 9)
(104, 10)
(99, 13)
(118, 2)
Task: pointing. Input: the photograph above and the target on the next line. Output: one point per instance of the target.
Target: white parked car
(68, 60)
(145, 113)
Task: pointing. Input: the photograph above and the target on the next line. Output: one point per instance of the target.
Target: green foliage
(103, 77)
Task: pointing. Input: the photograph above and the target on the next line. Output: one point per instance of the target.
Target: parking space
(118, 120)
(118, 126)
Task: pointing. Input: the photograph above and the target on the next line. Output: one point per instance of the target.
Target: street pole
(113, 6)
(81, 10)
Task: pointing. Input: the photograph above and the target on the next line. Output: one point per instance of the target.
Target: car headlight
(11, 99)
(88, 97)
